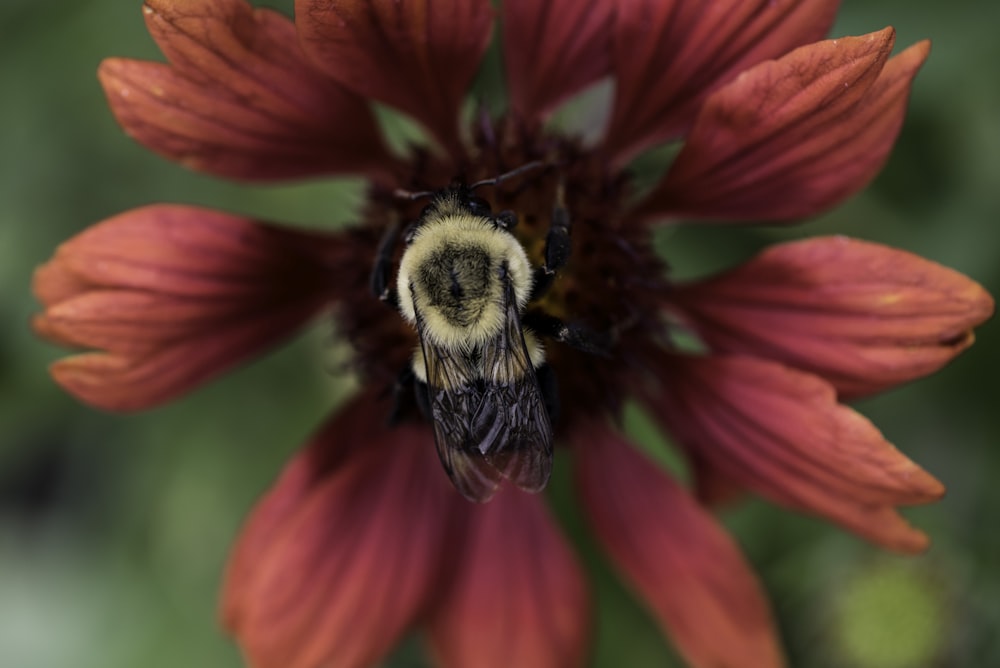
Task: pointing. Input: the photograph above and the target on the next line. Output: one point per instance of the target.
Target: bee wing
(524, 453)
(490, 420)
(456, 403)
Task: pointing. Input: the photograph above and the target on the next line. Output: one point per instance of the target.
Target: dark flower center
(611, 285)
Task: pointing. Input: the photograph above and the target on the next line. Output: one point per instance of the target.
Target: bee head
(478, 206)
(464, 196)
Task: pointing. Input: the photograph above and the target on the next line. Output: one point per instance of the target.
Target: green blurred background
(114, 529)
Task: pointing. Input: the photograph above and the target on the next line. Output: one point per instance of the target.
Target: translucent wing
(524, 454)
(490, 420)
(456, 400)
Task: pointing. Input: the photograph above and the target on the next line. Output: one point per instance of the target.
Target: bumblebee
(479, 373)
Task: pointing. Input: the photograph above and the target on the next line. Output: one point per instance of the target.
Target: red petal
(552, 50)
(675, 555)
(54, 282)
(711, 487)
(174, 296)
(416, 55)
(346, 551)
(669, 55)
(518, 598)
(781, 433)
(142, 378)
(134, 323)
(328, 452)
(861, 315)
(792, 138)
(194, 252)
(239, 98)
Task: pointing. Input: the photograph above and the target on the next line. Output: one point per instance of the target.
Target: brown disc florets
(610, 284)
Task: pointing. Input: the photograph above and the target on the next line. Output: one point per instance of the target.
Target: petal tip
(913, 541)
(929, 488)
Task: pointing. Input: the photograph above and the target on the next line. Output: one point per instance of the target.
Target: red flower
(363, 537)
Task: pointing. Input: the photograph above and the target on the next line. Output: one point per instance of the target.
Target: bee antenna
(497, 180)
(410, 195)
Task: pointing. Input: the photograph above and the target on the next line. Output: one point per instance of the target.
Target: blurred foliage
(114, 529)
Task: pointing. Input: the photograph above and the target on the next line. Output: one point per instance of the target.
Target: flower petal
(518, 598)
(173, 296)
(782, 434)
(678, 559)
(416, 55)
(861, 315)
(552, 50)
(239, 98)
(793, 137)
(711, 487)
(347, 550)
(668, 55)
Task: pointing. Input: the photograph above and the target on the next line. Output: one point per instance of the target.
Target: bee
(479, 373)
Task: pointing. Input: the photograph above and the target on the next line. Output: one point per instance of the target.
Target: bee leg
(404, 382)
(506, 220)
(557, 244)
(550, 391)
(423, 397)
(557, 247)
(572, 334)
(381, 280)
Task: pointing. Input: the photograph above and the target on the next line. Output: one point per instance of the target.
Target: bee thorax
(456, 281)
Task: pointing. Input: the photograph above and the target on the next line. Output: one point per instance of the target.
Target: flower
(362, 538)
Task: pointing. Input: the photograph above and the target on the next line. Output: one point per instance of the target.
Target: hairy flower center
(609, 285)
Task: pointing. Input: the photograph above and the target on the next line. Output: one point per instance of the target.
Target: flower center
(610, 286)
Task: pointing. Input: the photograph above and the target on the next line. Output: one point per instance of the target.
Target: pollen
(891, 298)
